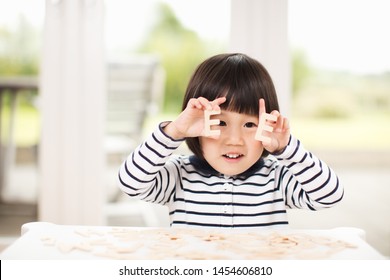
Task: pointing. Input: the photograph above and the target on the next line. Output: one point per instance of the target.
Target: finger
(275, 113)
(220, 100)
(194, 103)
(282, 124)
(286, 124)
(206, 104)
(279, 119)
(215, 103)
(261, 106)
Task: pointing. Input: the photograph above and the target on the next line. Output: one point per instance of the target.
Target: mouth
(233, 156)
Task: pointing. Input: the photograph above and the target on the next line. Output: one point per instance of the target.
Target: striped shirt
(197, 195)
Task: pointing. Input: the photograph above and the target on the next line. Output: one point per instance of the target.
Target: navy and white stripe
(296, 179)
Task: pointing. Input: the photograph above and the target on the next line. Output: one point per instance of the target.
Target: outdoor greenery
(19, 50)
(341, 95)
(19, 56)
(180, 50)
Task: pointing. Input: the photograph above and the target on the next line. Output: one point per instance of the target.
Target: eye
(250, 125)
(222, 123)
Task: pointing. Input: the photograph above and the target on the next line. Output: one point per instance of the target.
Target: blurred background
(338, 102)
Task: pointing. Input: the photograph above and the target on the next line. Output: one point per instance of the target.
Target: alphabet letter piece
(209, 122)
(263, 126)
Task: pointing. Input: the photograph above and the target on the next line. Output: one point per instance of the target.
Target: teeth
(232, 155)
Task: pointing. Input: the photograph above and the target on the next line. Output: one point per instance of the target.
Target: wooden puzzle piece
(191, 244)
(263, 126)
(209, 122)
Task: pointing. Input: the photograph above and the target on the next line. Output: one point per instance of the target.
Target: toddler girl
(230, 181)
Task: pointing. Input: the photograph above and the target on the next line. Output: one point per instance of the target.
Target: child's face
(236, 149)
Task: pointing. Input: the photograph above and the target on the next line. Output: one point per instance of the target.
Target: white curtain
(259, 28)
(72, 91)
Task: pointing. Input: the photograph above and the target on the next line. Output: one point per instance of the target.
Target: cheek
(206, 144)
(256, 147)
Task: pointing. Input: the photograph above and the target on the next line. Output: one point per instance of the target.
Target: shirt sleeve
(307, 181)
(149, 172)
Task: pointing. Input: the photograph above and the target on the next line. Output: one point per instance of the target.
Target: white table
(50, 241)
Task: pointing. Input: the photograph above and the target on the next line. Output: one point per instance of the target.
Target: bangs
(243, 82)
(241, 101)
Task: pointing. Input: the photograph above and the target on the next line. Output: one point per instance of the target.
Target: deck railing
(12, 86)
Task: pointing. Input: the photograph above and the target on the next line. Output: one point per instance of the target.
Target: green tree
(19, 50)
(300, 71)
(19, 55)
(180, 50)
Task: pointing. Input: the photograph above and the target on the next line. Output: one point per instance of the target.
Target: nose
(233, 136)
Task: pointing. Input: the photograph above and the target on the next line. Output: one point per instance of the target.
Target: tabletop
(41, 240)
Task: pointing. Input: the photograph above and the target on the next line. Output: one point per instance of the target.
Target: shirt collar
(205, 168)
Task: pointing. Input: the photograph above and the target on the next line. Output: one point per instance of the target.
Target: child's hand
(281, 131)
(190, 122)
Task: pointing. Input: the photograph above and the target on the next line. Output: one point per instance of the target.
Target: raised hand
(273, 130)
(191, 122)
